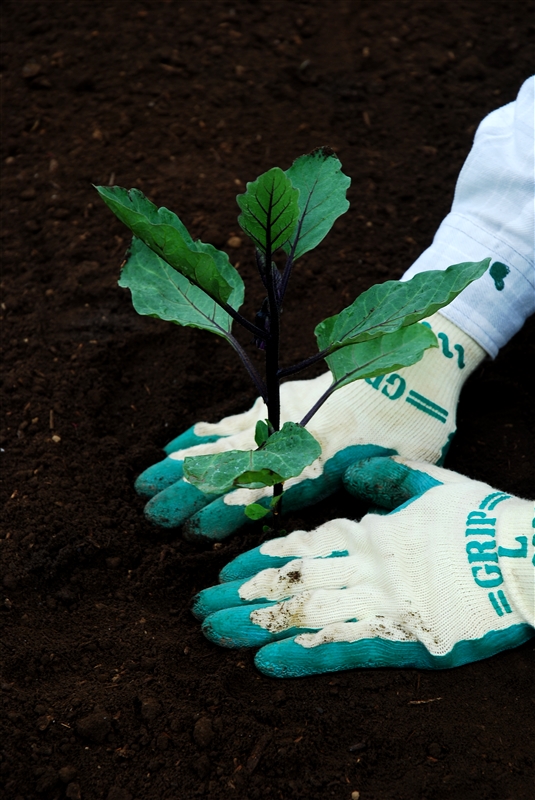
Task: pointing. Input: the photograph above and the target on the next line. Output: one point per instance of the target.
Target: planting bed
(109, 690)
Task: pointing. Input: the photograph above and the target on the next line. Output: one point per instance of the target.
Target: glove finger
(224, 516)
(233, 627)
(218, 521)
(248, 564)
(234, 424)
(338, 537)
(290, 659)
(320, 580)
(374, 642)
(189, 438)
(159, 476)
(163, 474)
(387, 482)
(172, 507)
(224, 596)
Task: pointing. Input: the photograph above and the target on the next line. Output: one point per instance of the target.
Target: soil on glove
(109, 689)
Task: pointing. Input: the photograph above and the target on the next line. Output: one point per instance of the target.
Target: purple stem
(325, 396)
(257, 380)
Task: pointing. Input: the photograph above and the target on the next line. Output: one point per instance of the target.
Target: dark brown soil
(109, 690)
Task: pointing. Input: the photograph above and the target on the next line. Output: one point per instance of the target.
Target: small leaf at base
(256, 511)
(261, 434)
(285, 455)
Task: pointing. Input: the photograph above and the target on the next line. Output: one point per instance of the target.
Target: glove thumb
(392, 481)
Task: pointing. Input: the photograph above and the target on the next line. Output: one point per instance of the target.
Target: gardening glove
(410, 412)
(444, 579)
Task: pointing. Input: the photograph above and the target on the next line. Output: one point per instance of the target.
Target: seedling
(285, 214)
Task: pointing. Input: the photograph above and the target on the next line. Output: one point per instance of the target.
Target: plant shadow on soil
(109, 689)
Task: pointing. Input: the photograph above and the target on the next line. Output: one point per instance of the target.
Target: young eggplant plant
(188, 282)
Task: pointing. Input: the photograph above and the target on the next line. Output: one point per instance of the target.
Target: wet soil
(109, 690)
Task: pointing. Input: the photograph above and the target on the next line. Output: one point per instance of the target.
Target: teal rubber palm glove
(444, 579)
(411, 413)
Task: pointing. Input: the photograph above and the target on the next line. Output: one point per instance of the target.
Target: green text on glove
(394, 387)
(485, 554)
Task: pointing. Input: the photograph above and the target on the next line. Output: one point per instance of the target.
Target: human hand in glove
(445, 579)
(410, 412)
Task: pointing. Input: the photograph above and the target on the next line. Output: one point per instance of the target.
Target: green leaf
(381, 355)
(257, 478)
(270, 210)
(389, 306)
(160, 291)
(261, 432)
(162, 231)
(256, 511)
(285, 455)
(322, 197)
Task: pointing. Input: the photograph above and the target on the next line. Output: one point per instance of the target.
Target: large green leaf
(387, 307)
(285, 455)
(381, 355)
(162, 231)
(270, 210)
(160, 291)
(322, 197)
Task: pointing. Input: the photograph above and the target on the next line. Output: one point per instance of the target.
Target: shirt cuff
(492, 309)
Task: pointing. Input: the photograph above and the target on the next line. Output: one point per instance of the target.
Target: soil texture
(109, 690)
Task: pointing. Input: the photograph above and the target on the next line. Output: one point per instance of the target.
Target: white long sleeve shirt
(493, 215)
